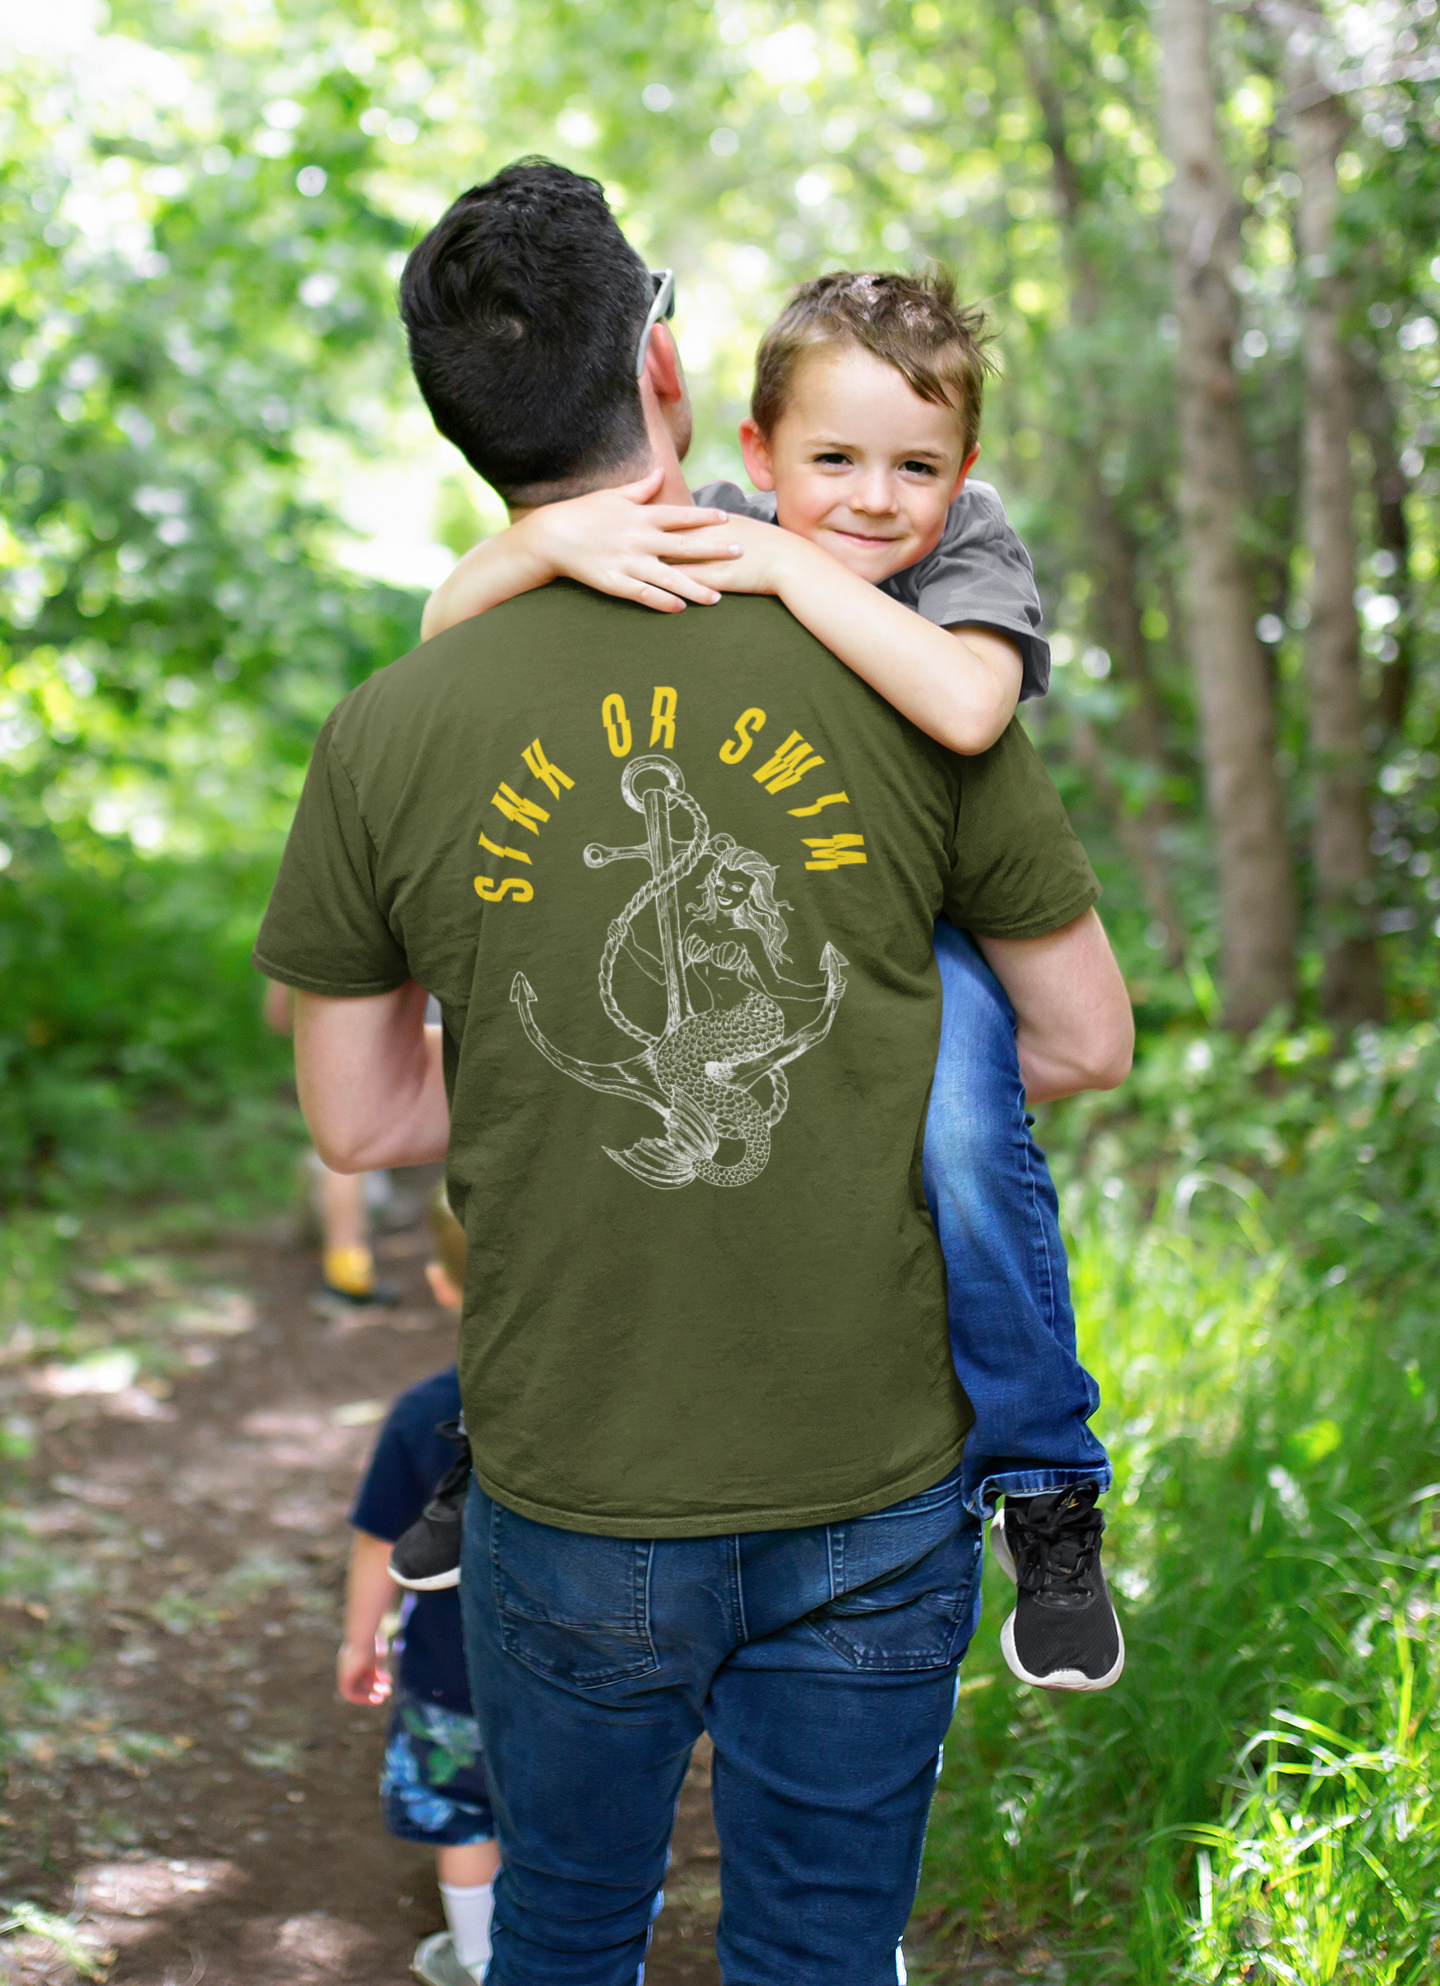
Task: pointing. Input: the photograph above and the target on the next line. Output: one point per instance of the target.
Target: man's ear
(759, 462)
(965, 467)
(662, 365)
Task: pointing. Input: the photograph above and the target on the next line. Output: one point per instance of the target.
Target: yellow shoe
(350, 1275)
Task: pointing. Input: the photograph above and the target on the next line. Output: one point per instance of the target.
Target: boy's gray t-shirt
(979, 575)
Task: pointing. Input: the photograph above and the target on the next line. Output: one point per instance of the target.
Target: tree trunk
(1256, 876)
(1375, 406)
(1113, 547)
(1136, 837)
(1351, 988)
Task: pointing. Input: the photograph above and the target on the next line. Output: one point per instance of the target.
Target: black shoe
(427, 1558)
(1063, 1633)
(383, 1295)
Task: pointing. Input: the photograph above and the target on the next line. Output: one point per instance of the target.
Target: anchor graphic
(725, 1032)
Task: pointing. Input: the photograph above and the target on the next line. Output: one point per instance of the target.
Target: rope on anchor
(673, 872)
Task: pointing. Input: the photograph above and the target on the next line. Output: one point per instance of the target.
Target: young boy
(863, 428)
(433, 1787)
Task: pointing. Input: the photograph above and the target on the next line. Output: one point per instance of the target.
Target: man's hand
(371, 1083)
(1074, 1027)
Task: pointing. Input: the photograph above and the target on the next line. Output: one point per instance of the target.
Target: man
(689, 1029)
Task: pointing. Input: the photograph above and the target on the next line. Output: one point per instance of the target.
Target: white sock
(467, 1912)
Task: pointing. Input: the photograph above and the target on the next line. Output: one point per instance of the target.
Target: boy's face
(859, 463)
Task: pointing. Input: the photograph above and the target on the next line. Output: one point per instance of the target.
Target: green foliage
(202, 216)
(201, 220)
(1328, 1864)
(177, 622)
(1253, 1273)
(90, 1958)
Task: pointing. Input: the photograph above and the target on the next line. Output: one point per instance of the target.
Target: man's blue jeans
(822, 1663)
(1012, 1330)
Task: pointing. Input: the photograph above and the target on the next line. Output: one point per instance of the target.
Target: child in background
(433, 1786)
(863, 429)
(342, 1204)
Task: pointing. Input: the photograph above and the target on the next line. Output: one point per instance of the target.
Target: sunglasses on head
(663, 307)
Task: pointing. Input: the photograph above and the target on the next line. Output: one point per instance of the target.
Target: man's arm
(277, 1008)
(1075, 1030)
(371, 1083)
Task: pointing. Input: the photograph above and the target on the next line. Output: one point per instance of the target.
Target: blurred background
(1207, 237)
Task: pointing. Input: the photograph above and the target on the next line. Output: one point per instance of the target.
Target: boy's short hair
(915, 323)
(523, 306)
(449, 1239)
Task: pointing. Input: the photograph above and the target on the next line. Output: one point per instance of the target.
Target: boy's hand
(618, 542)
(766, 559)
(360, 1674)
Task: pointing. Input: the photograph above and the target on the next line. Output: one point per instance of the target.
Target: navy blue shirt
(428, 1659)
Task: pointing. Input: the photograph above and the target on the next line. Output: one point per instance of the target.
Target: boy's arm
(960, 688)
(1074, 1028)
(370, 1593)
(614, 540)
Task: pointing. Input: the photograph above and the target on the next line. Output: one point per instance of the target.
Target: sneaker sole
(436, 1583)
(1062, 1679)
(1004, 1558)
(422, 1967)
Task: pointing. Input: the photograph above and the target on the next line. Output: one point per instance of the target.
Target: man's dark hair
(523, 307)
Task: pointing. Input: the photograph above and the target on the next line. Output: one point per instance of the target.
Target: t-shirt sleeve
(759, 504)
(323, 930)
(1017, 867)
(980, 575)
(392, 1495)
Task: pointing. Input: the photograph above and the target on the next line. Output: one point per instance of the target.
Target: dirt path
(193, 1795)
(221, 1822)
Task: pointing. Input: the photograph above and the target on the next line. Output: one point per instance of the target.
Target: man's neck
(663, 453)
(673, 487)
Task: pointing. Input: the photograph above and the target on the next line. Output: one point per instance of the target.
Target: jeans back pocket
(572, 1607)
(906, 1584)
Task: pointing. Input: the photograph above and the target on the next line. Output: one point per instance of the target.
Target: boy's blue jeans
(1012, 1330)
(822, 1663)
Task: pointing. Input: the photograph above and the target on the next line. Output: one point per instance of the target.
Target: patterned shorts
(432, 1786)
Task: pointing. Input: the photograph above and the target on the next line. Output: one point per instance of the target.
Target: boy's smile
(859, 463)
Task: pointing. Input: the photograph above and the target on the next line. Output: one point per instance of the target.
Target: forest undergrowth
(1253, 1263)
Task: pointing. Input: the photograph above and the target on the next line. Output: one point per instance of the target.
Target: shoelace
(1057, 1544)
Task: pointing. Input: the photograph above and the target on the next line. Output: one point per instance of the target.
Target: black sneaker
(427, 1558)
(329, 1300)
(1063, 1633)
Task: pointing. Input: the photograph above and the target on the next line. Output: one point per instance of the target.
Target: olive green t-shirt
(673, 881)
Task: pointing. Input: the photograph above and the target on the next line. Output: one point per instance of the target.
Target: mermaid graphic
(715, 1074)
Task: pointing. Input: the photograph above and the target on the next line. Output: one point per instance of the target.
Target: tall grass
(1259, 1798)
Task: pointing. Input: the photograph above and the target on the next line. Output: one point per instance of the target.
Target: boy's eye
(833, 458)
(918, 468)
